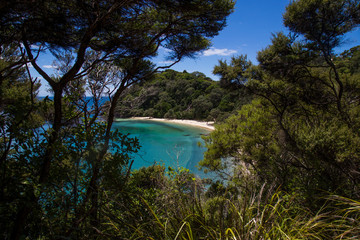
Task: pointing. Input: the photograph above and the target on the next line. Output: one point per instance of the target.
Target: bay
(174, 145)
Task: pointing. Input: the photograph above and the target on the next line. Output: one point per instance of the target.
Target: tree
(323, 23)
(233, 75)
(83, 36)
(244, 139)
(19, 117)
(304, 134)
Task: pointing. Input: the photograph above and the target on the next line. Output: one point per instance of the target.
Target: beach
(207, 125)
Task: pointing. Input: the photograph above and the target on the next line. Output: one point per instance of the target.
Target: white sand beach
(207, 125)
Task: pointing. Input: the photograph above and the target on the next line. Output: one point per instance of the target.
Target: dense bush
(182, 96)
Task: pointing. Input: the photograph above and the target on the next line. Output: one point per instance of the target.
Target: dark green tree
(323, 24)
(303, 134)
(19, 117)
(233, 75)
(84, 36)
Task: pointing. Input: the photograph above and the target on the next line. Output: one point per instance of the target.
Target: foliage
(183, 95)
(303, 130)
(233, 75)
(322, 22)
(175, 205)
(155, 204)
(60, 161)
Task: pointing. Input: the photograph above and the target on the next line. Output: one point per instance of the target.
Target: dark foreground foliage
(173, 204)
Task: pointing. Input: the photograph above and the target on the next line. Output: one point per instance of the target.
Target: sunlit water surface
(171, 144)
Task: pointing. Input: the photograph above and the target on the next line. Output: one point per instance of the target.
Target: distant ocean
(102, 100)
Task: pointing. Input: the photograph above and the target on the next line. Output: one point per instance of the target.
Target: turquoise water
(175, 145)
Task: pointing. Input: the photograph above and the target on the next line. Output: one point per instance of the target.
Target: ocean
(174, 145)
(171, 144)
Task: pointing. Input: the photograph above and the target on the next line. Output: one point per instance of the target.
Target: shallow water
(172, 144)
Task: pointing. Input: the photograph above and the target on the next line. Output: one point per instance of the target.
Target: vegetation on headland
(290, 158)
(177, 95)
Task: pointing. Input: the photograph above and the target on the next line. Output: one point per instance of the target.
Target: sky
(249, 30)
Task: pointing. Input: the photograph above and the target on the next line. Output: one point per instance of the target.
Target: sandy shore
(207, 125)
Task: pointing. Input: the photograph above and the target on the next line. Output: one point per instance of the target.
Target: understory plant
(176, 205)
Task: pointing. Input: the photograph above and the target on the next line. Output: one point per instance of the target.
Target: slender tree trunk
(93, 190)
(20, 222)
(27, 207)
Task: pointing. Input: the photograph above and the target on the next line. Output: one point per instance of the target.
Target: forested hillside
(183, 95)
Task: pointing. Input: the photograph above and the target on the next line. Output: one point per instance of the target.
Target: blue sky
(248, 31)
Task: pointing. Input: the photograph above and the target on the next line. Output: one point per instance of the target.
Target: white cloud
(164, 49)
(49, 66)
(166, 62)
(220, 52)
